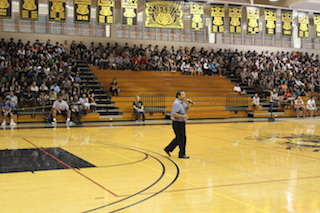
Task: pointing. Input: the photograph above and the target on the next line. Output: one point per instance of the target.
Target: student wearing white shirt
(256, 100)
(61, 107)
(237, 88)
(311, 107)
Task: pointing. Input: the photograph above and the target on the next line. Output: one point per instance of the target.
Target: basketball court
(235, 165)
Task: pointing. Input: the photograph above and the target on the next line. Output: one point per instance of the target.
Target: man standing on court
(179, 116)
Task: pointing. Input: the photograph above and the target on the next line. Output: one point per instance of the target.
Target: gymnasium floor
(236, 165)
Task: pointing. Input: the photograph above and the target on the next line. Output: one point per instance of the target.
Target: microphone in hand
(191, 102)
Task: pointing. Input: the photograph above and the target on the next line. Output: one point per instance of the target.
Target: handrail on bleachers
(154, 103)
(237, 102)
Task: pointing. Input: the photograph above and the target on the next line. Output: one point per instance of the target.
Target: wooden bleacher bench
(151, 110)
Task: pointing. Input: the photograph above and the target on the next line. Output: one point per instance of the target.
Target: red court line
(70, 167)
(227, 185)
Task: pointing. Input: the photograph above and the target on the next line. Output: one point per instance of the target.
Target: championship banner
(316, 18)
(82, 11)
(105, 12)
(303, 24)
(57, 10)
(270, 21)
(129, 9)
(286, 22)
(29, 9)
(253, 17)
(5, 9)
(196, 16)
(163, 14)
(235, 18)
(217, 18)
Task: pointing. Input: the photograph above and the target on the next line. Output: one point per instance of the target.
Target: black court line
(137, 193)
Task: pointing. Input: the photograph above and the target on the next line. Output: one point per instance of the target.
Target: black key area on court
(24, 160)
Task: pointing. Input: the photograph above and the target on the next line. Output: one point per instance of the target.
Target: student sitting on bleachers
(256, 100)
(299, 106)
(7, 111)
(76, 108)
(60, 107)
(311, 107)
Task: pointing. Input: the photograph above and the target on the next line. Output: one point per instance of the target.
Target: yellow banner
(5, 9)
(303, 24)
(105, 12)
(57, 10)
(253, 17)
(129, 10)
(286, 22)
(29, 9)
(196, 16)
(270, 21)
(163, 14)
(235, 18)
(82, 11)
(217, 18)
(316, 18)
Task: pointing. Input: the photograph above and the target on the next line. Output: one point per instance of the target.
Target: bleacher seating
(208, 92)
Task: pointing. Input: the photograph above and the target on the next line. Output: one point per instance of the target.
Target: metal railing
(236, 102)
(154, 102)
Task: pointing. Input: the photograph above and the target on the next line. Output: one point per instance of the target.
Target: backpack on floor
(48, 118)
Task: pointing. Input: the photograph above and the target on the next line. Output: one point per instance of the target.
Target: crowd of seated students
(33, 75)
(281, 76)
(194, 62)
(295, 72)
(37, 72)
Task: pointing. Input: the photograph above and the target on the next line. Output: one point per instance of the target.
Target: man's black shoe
(167, 152)
(184, 156)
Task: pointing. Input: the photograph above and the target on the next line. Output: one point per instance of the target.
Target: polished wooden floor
(235, 166)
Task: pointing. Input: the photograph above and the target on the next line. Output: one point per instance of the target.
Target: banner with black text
(286, 22)
(29, 9)
(253, 17)
(163, 14)
(196, 16)
(5, 9)
(217, 18)
(57, 10)
(303, 24)
(270, 21)
(316, 20)
(129, 9)
(235, 18)
(105, 12)
(82, 11)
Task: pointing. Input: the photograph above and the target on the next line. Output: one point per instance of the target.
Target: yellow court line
(183, 180)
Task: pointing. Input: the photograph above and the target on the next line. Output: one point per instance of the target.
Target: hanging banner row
(169, 14)
(218, 15)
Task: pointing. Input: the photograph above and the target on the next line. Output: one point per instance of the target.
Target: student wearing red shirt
(135, 63)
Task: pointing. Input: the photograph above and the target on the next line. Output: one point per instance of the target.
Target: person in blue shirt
(179, 116)
(7, 111)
